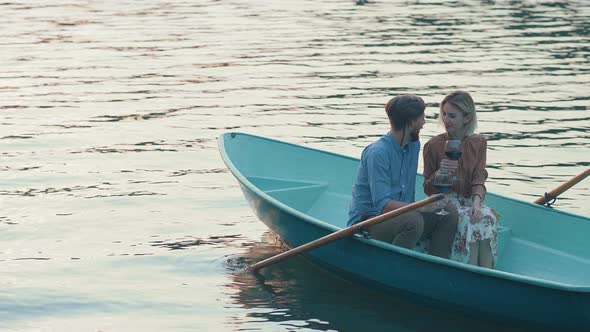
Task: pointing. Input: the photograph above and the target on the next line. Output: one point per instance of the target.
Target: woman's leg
(441, 231)
(473, 253)
(486, 259)
(480, 253)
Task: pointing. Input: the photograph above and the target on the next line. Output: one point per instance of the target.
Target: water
(117, 212)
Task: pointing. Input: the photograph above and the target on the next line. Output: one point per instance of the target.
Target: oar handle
(344, 232)
(562, 188)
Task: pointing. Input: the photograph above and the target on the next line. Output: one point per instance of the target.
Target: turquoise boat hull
(542, 278)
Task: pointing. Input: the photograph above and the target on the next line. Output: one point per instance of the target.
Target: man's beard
(414, 136)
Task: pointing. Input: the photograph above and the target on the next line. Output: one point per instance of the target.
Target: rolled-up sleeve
(379, 178)
(480, 174)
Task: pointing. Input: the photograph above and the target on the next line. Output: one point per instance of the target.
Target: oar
(561, 189)
(344, 232)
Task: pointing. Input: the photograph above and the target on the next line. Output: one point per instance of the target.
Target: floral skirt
(486, 227)
(470, 232)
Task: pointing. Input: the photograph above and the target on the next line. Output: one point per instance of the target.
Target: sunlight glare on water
(117, 211)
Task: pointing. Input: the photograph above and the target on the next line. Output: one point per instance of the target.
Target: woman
(477, 230)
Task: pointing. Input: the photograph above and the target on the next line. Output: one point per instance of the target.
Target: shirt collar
(395, 143)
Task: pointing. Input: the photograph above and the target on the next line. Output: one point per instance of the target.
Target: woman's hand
(475, 211)
(448, 165)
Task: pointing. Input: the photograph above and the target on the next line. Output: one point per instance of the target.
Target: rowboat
(542, 277)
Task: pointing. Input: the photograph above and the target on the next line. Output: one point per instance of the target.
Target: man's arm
(393, 205)
(379, 173)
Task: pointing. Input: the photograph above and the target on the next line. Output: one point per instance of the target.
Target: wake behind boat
(543, 272)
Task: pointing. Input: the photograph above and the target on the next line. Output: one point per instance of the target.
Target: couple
(386, 180)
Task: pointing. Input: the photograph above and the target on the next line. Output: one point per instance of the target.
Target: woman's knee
(490, 213)
(452, 219)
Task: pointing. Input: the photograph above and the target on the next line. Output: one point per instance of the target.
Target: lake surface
(117, 213)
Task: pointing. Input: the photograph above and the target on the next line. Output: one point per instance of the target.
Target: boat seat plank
(300, 198)
(556, 265)
(267, 184)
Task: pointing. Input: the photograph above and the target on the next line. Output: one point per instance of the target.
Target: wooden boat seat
(300, 195)
(309, 197)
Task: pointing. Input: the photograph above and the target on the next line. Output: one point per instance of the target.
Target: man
(386, 180)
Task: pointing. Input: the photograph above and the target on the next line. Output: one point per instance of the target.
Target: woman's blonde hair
(463, 102)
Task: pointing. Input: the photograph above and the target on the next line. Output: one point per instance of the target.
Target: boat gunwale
(387, 246)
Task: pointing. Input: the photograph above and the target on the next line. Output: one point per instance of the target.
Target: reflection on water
(183, 244)
(111, 112)
(297, 293)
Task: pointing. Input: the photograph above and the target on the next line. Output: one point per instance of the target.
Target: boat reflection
(297, 295)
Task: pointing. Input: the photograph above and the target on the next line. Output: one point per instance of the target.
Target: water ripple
(111, 112)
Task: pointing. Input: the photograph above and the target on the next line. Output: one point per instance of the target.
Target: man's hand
(429, 207)
(392, 205)
(435, 206)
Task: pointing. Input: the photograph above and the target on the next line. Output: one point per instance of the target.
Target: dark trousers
(407, 229)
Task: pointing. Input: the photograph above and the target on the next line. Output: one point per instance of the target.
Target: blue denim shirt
(386, 172)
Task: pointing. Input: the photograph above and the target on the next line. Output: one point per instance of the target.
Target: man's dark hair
(403, 109)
